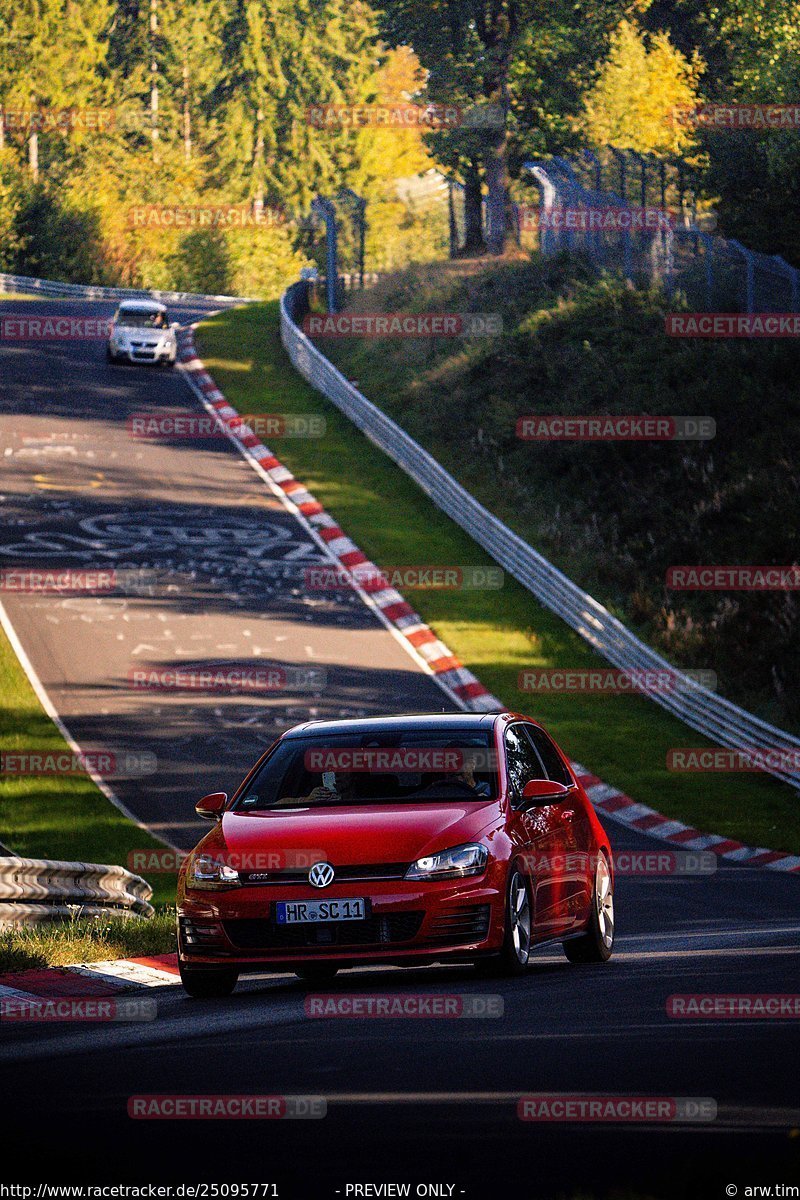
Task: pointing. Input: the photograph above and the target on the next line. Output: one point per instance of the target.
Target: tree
(485, 56)
(52, 57)
(643, 86)
(280, 58)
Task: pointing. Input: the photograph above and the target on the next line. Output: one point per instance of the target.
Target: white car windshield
(141, 320)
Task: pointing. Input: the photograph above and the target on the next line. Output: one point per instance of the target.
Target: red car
(404, 840)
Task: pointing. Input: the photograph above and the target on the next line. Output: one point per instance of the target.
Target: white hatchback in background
(141, 333)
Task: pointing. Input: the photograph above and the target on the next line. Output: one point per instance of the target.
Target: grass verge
(622, 738)
(57, 944)
(58, 817)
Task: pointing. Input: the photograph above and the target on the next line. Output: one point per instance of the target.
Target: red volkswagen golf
(404, 840)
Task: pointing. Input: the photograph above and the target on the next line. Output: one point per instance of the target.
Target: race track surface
(418, 1100)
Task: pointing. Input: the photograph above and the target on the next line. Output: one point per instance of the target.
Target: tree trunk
(498, 203)
(2, 129)
(153, 78)
(498, 200)
(187, 115)
(473, 212)
(33, 155)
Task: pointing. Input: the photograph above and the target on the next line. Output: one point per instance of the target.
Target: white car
(140, 332)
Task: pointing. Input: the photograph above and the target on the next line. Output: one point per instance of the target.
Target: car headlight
(211, 873)
(469, 859)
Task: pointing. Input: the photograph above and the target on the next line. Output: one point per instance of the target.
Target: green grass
(623, 739)
(614, 516)
(58, 817)
(84, 939)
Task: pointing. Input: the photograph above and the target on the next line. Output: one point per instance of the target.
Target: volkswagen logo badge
(321, 875)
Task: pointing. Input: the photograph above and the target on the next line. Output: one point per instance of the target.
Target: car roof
(401, 723)
(142, 306)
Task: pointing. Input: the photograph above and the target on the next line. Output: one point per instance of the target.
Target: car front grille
(256, 933)
(361, 873)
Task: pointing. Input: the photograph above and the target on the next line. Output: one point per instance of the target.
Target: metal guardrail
(718, 719)
(33, 890)
(51, 287)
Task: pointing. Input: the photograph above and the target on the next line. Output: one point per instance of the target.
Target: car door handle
(568, 815)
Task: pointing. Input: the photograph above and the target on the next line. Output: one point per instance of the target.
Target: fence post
(598, 169)
(794, 276)
(325, 209)
(451, 218)
(749, 258)
(549, 196)
(621, 158)
(642, 177)
(360, 205)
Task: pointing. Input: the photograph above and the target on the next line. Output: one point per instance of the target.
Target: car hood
(141, 331)
(352, 835)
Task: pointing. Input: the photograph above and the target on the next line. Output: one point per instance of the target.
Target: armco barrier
(33, 890)
(708, 713)
(80, 291)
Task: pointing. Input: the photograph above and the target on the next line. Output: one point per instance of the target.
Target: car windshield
(139, 319)
(385, 768)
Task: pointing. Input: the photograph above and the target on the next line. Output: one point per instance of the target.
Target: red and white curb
(420, 640)
(417, 637)
(83, 981)
(618, 807)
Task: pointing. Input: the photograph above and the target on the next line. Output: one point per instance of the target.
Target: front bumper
(145, 354)
(406, 923)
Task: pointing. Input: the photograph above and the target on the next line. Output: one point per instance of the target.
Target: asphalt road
(210, 571)
(418, 1101)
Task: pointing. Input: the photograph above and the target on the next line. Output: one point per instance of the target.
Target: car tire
(111, 357)
(596, 945)
(208, 983)
(317, 972)
(515, 952)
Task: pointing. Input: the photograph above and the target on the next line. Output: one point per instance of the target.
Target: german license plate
(315, 912)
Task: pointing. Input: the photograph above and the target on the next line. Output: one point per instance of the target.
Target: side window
(553, 764)
(521, 758)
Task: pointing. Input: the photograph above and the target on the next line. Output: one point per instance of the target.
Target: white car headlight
(206, 871)
(469, 859)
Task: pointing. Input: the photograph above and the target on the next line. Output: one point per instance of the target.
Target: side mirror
(543, 791)
(212, 807)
